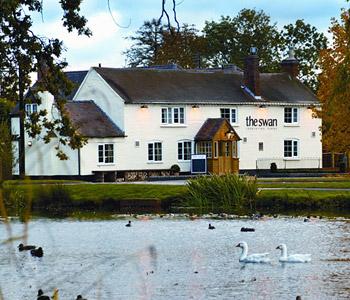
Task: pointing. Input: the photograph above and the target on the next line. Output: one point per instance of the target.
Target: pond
(175, 258)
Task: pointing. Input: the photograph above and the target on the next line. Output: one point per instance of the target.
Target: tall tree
(146, 44)
(308, 42)
(230, 39)
(23, 52)
(183, 47)
(334, 89)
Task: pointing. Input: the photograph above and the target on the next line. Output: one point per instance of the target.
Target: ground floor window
(106, 153)
(204, 148)
(184, 150)
(291, 148)
(155, 151)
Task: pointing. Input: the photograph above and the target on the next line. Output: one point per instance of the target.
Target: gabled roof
(77, 78)
(139, 85)
(91, 120)
(210, 127)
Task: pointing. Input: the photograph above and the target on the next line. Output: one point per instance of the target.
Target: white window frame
(294, 116)
(233, 114)
(295, 149)
(31, 108)
(153, 157)
(181, 153)
(205, 147)
(173, 115)
(103, 158)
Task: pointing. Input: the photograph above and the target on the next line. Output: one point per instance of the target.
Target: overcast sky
(108, 40)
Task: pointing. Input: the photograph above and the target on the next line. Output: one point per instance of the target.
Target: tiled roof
(91, 120)
(210, 127)
(77, 78)
(138, 85)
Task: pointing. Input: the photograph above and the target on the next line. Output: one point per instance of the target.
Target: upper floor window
(230, 114)
(291, 148)
(106, 153)
(291, 115)
(31, 108)
(155, 152)
(205, 148)
(184, 150)
(173, 115)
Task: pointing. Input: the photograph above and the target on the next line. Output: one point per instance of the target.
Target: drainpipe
(79, 166)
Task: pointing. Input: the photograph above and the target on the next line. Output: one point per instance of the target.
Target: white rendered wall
(96, 89)
(144, 125)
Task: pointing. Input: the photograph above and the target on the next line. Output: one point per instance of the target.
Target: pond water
(175, 258)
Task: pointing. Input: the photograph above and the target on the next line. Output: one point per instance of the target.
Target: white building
(144, 119)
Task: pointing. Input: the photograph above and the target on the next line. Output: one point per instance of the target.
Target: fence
(304, 163)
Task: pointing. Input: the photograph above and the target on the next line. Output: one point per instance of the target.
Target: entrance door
(225, 161)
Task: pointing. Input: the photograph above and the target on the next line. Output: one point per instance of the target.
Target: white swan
(294, 258)
(252, 258)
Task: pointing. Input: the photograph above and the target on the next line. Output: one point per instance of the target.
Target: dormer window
(173, 115)
(31, 108)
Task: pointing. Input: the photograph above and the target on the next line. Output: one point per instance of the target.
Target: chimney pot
(290, 65)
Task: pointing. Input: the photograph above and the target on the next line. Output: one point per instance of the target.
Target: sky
(108, 42)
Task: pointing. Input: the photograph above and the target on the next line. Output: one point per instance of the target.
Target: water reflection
(174, 258)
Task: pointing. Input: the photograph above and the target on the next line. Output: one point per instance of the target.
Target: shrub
(229, 191)
(53, 198)
(175, 169)
(273, 167)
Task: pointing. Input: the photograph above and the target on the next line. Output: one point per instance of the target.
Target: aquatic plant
(229, 191)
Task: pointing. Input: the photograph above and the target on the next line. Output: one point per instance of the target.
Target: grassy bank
(87, 196)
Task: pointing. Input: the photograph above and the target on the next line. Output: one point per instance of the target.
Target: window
(291, 115)
(204, 148)
(234, 150)
(227, 149)
(230, 114)
(31, 108)
(291, 149)
(216, 149)
(261, 146)
(155, 151)
(106, 153)
(173, 115)
(184, 150)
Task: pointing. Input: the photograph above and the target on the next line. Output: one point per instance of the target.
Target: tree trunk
(21, 146)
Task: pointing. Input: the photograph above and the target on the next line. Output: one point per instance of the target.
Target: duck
(37, 252)
(21, 247)
(247, 229)
(41, 295)
(211, 226)
(294, 258)
(129, 224)
(252, 258)
(80, 297)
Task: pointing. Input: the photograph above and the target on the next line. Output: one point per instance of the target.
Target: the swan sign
(254, 122)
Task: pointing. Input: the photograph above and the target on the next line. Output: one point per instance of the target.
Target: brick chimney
(290, 65)
(251, 72)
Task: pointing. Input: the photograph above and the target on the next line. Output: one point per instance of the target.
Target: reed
(227, 192)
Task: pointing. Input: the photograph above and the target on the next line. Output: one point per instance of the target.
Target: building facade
(148, 119)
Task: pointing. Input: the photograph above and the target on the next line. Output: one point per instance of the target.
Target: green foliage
(229, 191)
(6, 151)
(227, 41)
(147, 41)
(23, 52)
(230, 39)
(308, 42)
(175, 169)
(53, 198)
